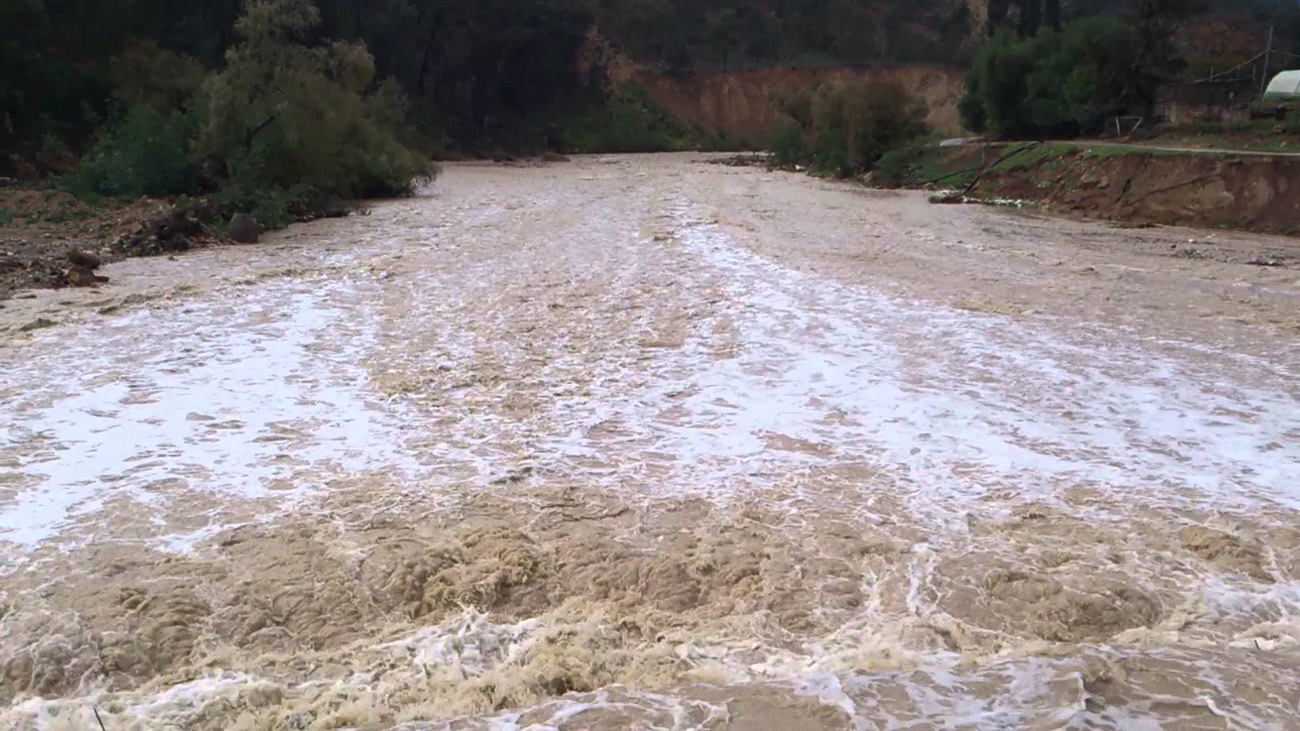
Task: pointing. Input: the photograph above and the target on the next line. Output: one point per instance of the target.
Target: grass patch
(1025, 155)
(6, 216)
(931, 165)
(1106, 152)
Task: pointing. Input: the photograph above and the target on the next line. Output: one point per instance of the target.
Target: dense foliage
(843, 129)
(478, 73)
(376, 78)
(145, 153)
(689, 35)
(287, 127)
(282, 113)
(1068, 82)
(1054, 84)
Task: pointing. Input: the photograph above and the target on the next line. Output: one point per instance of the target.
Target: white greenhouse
(1284, 87)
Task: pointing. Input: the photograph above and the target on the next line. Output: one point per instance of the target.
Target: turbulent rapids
(645, 442)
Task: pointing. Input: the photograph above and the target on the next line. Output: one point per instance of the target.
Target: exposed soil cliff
(743, 102)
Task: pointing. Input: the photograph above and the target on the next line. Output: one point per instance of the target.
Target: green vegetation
(1055, 84)
(286, 129)
(1113, 60)
(844, 129)
(684, 36)
(628, 122)
(284, 114)
(788, 147)
(480, 76)
(903, 165)
(287, 106)
(959, 167)
(145, 153)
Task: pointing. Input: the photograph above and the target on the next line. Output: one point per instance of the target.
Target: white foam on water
(951, 404)
(955, 402)
(244, 394)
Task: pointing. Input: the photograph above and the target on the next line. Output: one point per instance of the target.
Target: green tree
(283, 114)
(146, 73)
(1156, 59)
(1055, 84)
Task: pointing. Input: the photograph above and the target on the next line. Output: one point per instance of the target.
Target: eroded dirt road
(647, 443)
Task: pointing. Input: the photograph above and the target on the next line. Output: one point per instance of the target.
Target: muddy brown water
(642, 442)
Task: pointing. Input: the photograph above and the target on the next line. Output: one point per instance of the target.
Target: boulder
(176, 225)
(83, 259)
(244, 229)
(82, 277)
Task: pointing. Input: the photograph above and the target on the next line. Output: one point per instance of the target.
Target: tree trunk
(1031, 17)
(997, 15)
(1052, 11)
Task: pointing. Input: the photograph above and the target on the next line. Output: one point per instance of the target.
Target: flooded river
(644, 442)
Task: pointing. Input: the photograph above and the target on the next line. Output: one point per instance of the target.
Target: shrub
(629, 121)
(788, 144)
(853, 125)
(143, 153)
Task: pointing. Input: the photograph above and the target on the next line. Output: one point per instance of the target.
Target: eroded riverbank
(642, 441)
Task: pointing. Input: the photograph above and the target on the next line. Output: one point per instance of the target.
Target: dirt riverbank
(641, 441)
(1257, 192)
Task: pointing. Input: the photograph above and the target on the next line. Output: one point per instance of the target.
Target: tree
(1031, 17)
(283, 114)
(997, 15)
(1157, 59)
(1056, 84)
(1052, 14)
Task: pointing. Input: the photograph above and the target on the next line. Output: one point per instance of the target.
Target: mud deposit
(640, 442)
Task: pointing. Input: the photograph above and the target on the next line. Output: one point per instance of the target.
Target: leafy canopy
(283, 113)
(1054, 84)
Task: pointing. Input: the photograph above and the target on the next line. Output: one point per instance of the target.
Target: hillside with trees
(316, 99)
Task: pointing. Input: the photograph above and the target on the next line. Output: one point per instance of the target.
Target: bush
(844, 129)
(788, 144)
(273, 208)
(853, 125)
(144, 153)
(284, 131)
(629, 121)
